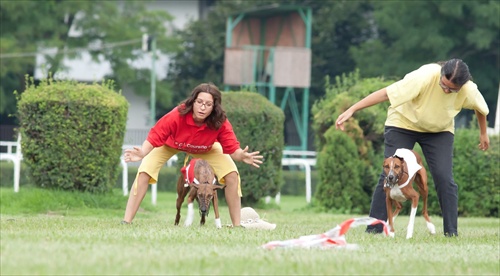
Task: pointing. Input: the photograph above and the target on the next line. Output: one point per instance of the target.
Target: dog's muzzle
(391, 180)
(204, 212)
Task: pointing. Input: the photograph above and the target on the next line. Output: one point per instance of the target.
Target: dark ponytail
(456, 71)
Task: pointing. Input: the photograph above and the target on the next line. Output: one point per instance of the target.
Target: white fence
(11, 151)
(303, 159)
(154, 188)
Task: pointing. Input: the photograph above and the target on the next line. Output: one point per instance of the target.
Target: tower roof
(270, 10)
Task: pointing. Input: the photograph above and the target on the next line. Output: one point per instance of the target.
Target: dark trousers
(438, 152)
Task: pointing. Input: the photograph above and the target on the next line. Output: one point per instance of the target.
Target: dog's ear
(401, 159)
(194, 185)
(385, 163)
(218, 186)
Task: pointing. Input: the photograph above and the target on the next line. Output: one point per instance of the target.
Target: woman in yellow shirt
(423, 108)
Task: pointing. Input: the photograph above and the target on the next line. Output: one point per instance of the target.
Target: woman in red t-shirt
(200, 128)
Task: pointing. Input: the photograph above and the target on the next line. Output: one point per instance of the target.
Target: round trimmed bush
(259, 124)
(72, 134)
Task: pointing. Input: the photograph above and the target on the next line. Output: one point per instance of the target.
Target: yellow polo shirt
(418, 103)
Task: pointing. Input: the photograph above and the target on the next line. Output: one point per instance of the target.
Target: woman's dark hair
(456, 71)
(217, 116)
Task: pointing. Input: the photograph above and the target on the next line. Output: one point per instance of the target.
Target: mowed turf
(60, 233)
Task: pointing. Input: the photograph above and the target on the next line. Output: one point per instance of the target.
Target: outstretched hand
(484, 142)
(339, 123)
(252, 158)
(133, 155)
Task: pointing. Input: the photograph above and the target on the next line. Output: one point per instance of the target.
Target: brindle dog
(201, 185)
(399, 188)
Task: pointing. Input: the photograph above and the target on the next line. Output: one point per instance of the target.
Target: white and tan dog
(401, 169)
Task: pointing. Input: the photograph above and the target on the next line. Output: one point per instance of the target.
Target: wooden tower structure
(268, 50)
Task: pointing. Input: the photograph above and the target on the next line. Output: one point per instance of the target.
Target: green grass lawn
(61, 233)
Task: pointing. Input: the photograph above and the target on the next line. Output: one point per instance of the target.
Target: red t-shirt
(181, 132)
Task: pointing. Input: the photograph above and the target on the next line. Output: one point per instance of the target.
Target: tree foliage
(347, 161)
(381, 38)
(368, 124)
(417, 32)
(476, 173)
(109, 31)
(342, 188)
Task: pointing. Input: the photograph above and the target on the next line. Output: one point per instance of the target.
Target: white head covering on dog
(411, 162)
(250, 219)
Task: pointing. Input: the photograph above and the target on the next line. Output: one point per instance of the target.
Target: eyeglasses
(201, 103)
(447, 88)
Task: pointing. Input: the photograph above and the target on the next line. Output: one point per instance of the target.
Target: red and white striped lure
(334, 238)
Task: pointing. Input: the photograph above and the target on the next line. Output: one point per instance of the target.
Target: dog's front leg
(421, 180)
(215, 203)
(411, 223)
(190, 211)
(181, 194)
(388, 204)
(413, 195)
(397, 209)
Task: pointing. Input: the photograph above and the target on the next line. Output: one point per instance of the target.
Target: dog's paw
(218, 224)
(409, 236)
(431, 227)
(391, 234)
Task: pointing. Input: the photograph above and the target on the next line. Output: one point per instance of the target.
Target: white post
(308, 183)
(124, 177)
(495, 130)
(497, 117)
(17, 174)
(306, 163)
(17, 164)
(268, 199)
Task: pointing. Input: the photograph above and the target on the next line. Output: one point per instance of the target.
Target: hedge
(259, 124)
(72, 134)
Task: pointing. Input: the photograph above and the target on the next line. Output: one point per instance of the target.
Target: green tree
(382, 38)
(347, 161)
(417, 32)
(342, 188)
(110, 31)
